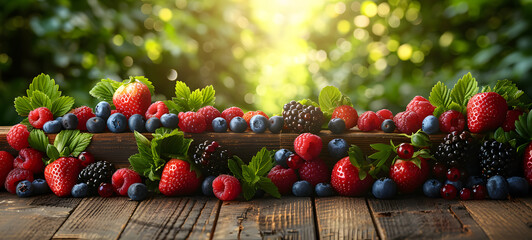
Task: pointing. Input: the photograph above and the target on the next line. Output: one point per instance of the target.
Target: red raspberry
(315, 172)
(123, 178)
(16, 175)
(30, 159)
(6, 165)
(192, 122)
(156, 109)
(421, 106)
(308, 146)
(451, 121)
(295, 162)
(408, 122)
(511, 117)
(251, 114)
(83, 113)
(39, 116)
(17, 137)
(369, 121)
(226, 187)
(346, 113)
(384, 114)
(283, 178)
(210, 113)
(232, 112)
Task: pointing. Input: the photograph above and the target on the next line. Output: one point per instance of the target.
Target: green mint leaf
(79, 143)
(195, 100)
(248, 190)
(208, 96)
(262, 162)
(105, 89)
(330, 97)
(23, 105)
(143, 145)
(235, 168)
(140, 164)
(464, 89)
(440, 96)
(308, 102)
(267, 185)
(52, 153)
(356, 156)
(39, 99)
(144, 80)
(44, 84)
(249, 175)
(62, 105)
(38, 140)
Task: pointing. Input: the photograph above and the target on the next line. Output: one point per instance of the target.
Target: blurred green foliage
(261, 54)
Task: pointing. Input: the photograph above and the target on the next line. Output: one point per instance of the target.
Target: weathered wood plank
(470, 227)
(509, 219)
(286, 218)
(33, 218)
(344, 218)
(97, 218)
(527, 201)
(173, 218)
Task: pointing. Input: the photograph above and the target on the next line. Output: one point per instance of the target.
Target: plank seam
(196, 221)
(63, 223)
(378, 230)
(128, 219)
(315, 217)
(218, 209)
(176, 217)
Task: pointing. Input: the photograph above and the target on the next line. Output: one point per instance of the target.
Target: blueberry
(40, 186)
(137, 192)
(117, 123)
(276, 124)
(474, 180)
(384, 188)
(281, 157)
(431, 125)
(324, 190)
(80, 190)
(169, 120)
(152, 124)
(103, 110)
(518, 186)
(238, 125)
(388, 126)
(259, 123)
(206, 186)
(219, 125)
(497, 187)
(69, 121)
(53, 126)
(24, 189)
(336, 125)
(302, 189)
(137, 123)
(60, 119)
(458, 184)
(96, 125)
(338, 148)
(432, 187)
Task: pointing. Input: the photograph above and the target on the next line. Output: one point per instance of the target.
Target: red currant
(439, 171)
(479, 192)
(295, 161)
(448, 192)
(106, 190)
(453, 174)
(405, 151)
(86, 158)
(465, 194)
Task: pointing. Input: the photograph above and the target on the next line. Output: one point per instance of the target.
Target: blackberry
(301, 118)
(459, 150)
(498, 159)
(96, 174)
(211, 158)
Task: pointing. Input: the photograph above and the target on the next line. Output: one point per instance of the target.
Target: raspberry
(315, 172)
(511, 117)
(30, 159)
(156, 109)
(16, 175)
(6, 165)
(408, 122)
(83, 114)
(192, 122)
(346, 113)
(451, 121)
(384, 114)
(17, 137)
(308, 146)
(369, 121)
(123, 178)
(210, 113)
(283, 178)
(232, 112)
(421, 106)
(39, 116)
(226, 187)
(247, 116)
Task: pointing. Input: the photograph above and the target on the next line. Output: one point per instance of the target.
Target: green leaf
(356, 156)
(267, 185)
(235, 168)
(65, 152)
(440, 96)
(248, 190)
(362, 174)
(63, 139)
(146, 82)
(105, 89)
(52, 153)
(172, 106)
(262, 162)
(438, 111)
(417, 162)
(79, 143)
(464, 89)
(38, 140)
(511, 93)
(140, 164)
(23, 106)
(62, 105)
(39, 99)
(330, 97)
(44, 84)
(143, 145)
(195, 100)
(182, 93)
(249, 175)
(172, 144)
(308, 102)
(208, 96)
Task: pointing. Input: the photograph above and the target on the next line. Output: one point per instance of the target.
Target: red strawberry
(123, 178)
(14, 176)
(247, 116)
(408, 176)
(283, 178)
(308, 146)
(39, 116)
(6, 165)
(345, 179)
(408, 122)
(210, 113)
(17, 137)
(511, 117)
(232, 112)
(132, 98)
(346, 113)
(62, 174)
(191, 122)
(315, 172)
(369, 121)
(83, 114)
(29, 159)
(178, 179)
(421, 106)
(486, 112)
(156, 109)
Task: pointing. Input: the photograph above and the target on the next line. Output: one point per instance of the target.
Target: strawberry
(346, 181)
(408, 176)
(62, 174)
(485, 112)
(511, 117)
(178, 179)
(6, 165)
(133, 97)
(346, 113)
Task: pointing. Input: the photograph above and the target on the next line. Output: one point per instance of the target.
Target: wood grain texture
(508, 219)
(344, 218)
(173, 218)
(286, 218)
(18, 215)
(97, 218)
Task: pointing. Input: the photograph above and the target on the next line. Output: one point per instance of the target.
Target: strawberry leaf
(330, 98)
(140, 164)
(105, 89)
(252, 176)
(440, 96)
(62, 105)
(308, 102)
(46, 85)
(464, 89)
(248, 190)
(235, 168)
(267, 185)
(208, 95)
(52, 153)
(362, 174)
(185, 100)
(38, 140)
(262, 162)
(417, 162)
(356, 157)
(195, 100)
(39, 99)
(23, 105)
(146, 82)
